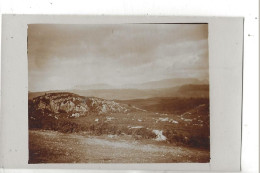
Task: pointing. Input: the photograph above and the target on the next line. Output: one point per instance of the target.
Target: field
(155, 130)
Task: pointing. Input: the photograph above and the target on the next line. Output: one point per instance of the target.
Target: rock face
(106, 106)
(72, 105)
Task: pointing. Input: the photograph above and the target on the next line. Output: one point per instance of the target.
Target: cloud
(62, 56)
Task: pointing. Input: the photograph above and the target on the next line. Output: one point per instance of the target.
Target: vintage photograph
(118, 93)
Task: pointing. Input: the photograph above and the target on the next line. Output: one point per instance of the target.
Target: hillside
(168, 104)
(56, 119)
(65, 104)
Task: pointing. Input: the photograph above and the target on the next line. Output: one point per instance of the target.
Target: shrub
(191, 139)
(144, 133)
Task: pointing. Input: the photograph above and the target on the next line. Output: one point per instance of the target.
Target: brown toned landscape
(67, 127)
(90, 101)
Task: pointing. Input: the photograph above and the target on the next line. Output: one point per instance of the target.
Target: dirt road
(54, 147)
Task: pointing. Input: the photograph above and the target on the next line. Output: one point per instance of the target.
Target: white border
(225, 52)
(245, 8)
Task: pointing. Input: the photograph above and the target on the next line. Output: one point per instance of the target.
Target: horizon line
(71, 89)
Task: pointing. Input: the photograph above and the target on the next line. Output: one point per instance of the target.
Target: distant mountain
(167, 83)
(195, 91)
(191, 90)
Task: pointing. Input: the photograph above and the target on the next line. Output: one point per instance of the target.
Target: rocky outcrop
(72, 105)
(106, 106)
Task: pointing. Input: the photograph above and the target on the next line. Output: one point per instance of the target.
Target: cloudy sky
(64, 56)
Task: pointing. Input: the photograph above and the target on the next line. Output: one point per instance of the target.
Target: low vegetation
(183, 121)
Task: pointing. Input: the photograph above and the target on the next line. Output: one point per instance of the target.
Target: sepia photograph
(118, 93)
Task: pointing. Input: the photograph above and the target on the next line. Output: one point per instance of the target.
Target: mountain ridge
(156, 84)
